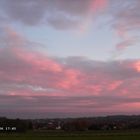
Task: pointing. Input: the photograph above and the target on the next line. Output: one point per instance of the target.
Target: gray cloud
(32, 12)
(127, 14)
(60, 14)
(50, 106)
(28, 12)
(65, 14)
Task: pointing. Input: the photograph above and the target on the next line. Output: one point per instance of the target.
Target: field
(132, 135)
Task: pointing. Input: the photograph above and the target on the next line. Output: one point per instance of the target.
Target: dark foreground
(128, 135)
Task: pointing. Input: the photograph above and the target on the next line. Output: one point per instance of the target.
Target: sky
(69, 58)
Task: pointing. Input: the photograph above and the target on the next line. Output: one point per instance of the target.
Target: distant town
(120, 122)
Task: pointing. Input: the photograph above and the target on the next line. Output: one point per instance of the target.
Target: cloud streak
(126, 21)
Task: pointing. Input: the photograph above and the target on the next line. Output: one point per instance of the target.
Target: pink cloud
(69, 79)
(114, 85)
(45, 72)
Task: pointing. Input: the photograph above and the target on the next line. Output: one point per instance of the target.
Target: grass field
(73, 136)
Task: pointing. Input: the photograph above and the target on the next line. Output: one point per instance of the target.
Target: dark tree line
(14, 125)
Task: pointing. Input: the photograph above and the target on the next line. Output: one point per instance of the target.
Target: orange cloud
(137, 66)
(134, 64)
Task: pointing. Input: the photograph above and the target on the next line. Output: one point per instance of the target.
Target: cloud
(33, 82)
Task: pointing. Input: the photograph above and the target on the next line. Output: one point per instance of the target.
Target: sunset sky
(69, 58)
